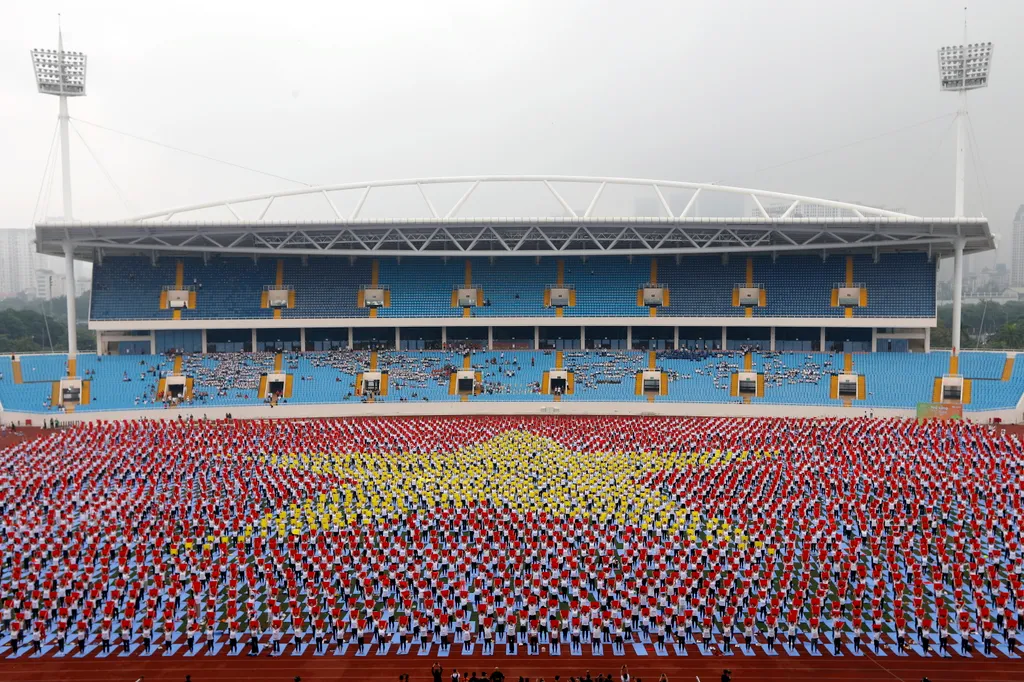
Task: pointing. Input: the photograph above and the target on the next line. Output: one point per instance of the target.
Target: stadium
(551, 441)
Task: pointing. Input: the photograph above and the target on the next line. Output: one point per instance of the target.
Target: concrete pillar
(958, 291)
(927, 340)
(874, 339)
(725, 334)
(398, 338)
(490, 337)
(771, 344)
(302, 339)
(536, 337)
(675, 338)
(351, 341)
(583, 337)
(444, 336)
(821, 345)
(203, 342)
(152, 342)
(629, 337)
(254, 340)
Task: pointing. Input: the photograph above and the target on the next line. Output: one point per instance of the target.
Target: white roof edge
(739, 220)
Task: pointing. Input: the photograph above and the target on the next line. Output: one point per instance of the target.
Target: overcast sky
(331, 92)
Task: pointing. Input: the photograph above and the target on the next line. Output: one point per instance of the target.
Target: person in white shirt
(488, 639)
(275, 639)
(444, 636)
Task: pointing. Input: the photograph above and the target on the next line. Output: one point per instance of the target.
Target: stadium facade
(231, 306)
(896, 250)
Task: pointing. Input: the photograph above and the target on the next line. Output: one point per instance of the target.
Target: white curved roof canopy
(759, 198)
(564, 215)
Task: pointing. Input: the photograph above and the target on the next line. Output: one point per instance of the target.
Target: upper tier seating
(128, 288)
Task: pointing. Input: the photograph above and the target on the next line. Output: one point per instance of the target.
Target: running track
(372, 668)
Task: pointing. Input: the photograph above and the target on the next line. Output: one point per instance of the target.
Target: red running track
(372, 668)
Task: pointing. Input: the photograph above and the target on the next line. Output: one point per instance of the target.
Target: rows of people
(329, 536)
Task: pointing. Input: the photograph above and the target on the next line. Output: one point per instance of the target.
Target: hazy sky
(330, 92)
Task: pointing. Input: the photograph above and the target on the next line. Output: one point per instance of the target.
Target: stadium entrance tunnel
(372, 383)
(651, 383)
(847, 387)
(558, 382)
(465, 382)
(69, 392)
(560, 296)
(275, 385)
(952, 389)
(175, 387)
(746, 384)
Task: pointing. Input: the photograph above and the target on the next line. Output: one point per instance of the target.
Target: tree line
(33, 326)
(986, 325)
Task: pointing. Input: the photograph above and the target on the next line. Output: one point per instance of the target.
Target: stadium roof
(798, 225)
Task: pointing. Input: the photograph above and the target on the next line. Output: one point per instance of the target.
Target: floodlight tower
(961, 68)
(62, 74)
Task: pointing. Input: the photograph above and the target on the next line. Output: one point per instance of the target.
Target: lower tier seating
(892, 380)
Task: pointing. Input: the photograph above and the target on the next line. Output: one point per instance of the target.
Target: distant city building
(17, 262)
(719, 205)
(23, 272)
(49, 285)
(1017, 259)
(812, 211)
(647, 207)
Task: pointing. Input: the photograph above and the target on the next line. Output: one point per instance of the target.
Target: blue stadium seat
(128, 288)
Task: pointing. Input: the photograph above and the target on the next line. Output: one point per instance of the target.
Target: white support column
(152, 342)
(583, 337)
(490, 337)
(99, 343)
(351, 340)
(821, 344)
(65, 157)
(629, 337)
(444, 336)
(675, 338)
(771, 342)
(254, 340)
(203, 341)
(398, 338)
(536, 337)
(961, 117)
(928, 340)
(302, 339)
(958, 291)
(725, 334)
(874, 339)
(69, 287)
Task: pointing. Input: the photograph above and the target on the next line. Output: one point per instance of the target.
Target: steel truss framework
(777, 229)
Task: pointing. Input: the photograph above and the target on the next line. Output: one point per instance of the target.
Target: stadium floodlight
(62, 74)
(964, 67)
(961, 68)
(59, 73)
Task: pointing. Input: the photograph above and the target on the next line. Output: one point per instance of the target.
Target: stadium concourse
(511, 537)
